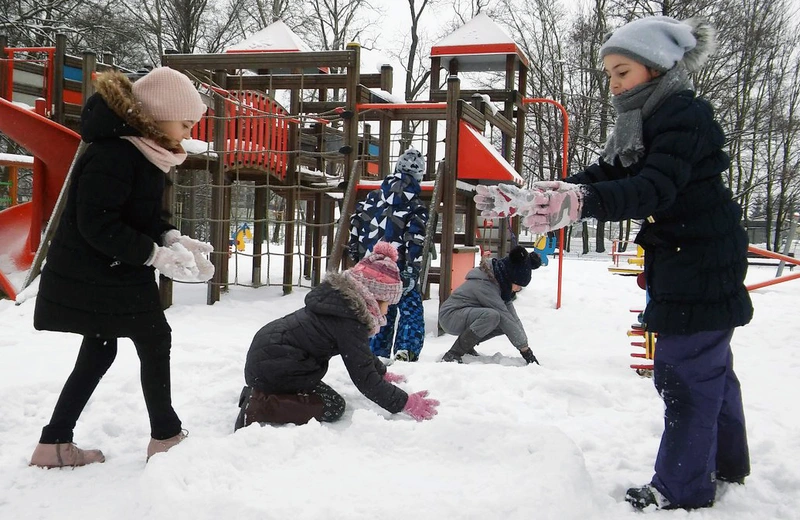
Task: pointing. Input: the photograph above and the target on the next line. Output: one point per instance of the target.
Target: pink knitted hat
(379, 274)
(168, 95)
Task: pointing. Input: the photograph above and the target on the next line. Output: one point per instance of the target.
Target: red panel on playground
(53, 147)
(478, 159)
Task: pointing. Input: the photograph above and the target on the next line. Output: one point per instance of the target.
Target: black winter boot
(244, 399)
(646, 496)
(464, 344)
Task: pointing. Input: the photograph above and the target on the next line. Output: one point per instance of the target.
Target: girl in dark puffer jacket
(289, 356)
(664, 164)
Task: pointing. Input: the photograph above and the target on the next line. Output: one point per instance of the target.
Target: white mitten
(503, 200)
(174, 262)
(555, 209)
(170, 237)
(204, 266)
(194, 245)
(174, 236)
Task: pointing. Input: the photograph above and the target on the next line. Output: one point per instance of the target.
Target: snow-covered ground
(558, 441)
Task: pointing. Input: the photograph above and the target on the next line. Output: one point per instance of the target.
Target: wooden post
(343, 228)
(387, 78)
(519, 142)
(330, 212)
(351, 124)
(225, 225)
(218, 238)
(385, 135)
(88, 69)
(58, 78)
(449, 188)
(260, 210)
(291, 195)
(316, 251)
(521, 110)
(308, 246)
(508, 106)
(436, 65)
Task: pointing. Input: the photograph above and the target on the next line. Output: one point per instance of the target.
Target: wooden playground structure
(306, 128)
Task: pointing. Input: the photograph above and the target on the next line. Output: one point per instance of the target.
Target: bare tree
(412, 58)
(335, 23)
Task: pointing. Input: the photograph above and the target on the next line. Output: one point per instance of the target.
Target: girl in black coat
(99, 278)
(664, 164)
(289, 356)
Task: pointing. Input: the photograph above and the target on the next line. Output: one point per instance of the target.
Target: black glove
(528, 356)
(409, 277)
(353, 251)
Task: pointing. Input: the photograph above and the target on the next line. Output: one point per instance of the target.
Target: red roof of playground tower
(479, 45)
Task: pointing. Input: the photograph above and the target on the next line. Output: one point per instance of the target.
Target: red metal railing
(256, 131)
(564, 159)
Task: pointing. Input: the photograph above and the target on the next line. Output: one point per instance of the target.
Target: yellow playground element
(633, 265)
(239, 237)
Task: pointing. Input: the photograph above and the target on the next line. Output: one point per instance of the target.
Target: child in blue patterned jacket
(395, 214)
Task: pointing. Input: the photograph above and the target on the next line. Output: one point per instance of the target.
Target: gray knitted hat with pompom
(411, 162)
(661, 42)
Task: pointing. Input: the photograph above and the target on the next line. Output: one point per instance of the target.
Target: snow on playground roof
(480, 44)
(276, 37)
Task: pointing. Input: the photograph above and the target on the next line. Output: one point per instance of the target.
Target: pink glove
(502, 200)
(553, 186)
(419, 407)
(555, 209)
(394, 378)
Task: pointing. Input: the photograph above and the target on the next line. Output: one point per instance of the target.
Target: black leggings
(333, 403)
(94, 359)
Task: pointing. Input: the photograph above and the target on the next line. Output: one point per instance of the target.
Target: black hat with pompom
(519, 264)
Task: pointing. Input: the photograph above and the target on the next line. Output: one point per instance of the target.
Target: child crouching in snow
(289, 356)
(482, 307)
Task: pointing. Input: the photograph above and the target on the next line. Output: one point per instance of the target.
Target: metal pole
(788, 244)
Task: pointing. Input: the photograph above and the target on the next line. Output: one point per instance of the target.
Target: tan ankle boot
(64, 455)
(160, 446)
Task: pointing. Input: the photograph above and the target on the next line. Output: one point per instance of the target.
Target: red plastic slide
(53, 147)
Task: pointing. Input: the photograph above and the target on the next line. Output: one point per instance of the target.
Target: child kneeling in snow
(289, 356)
(482, 307)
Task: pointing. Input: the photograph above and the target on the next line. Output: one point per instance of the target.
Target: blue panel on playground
(73, 73)
(374, 150)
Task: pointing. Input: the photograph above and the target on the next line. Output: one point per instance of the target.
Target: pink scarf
(158, 155)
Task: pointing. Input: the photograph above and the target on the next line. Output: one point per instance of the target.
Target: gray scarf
(636, 105)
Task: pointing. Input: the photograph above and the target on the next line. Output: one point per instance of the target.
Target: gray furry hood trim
(486, 267)
(117, 91)
(345, 286)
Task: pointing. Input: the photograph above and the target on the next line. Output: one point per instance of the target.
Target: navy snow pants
(410, 328)
(704, 428)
